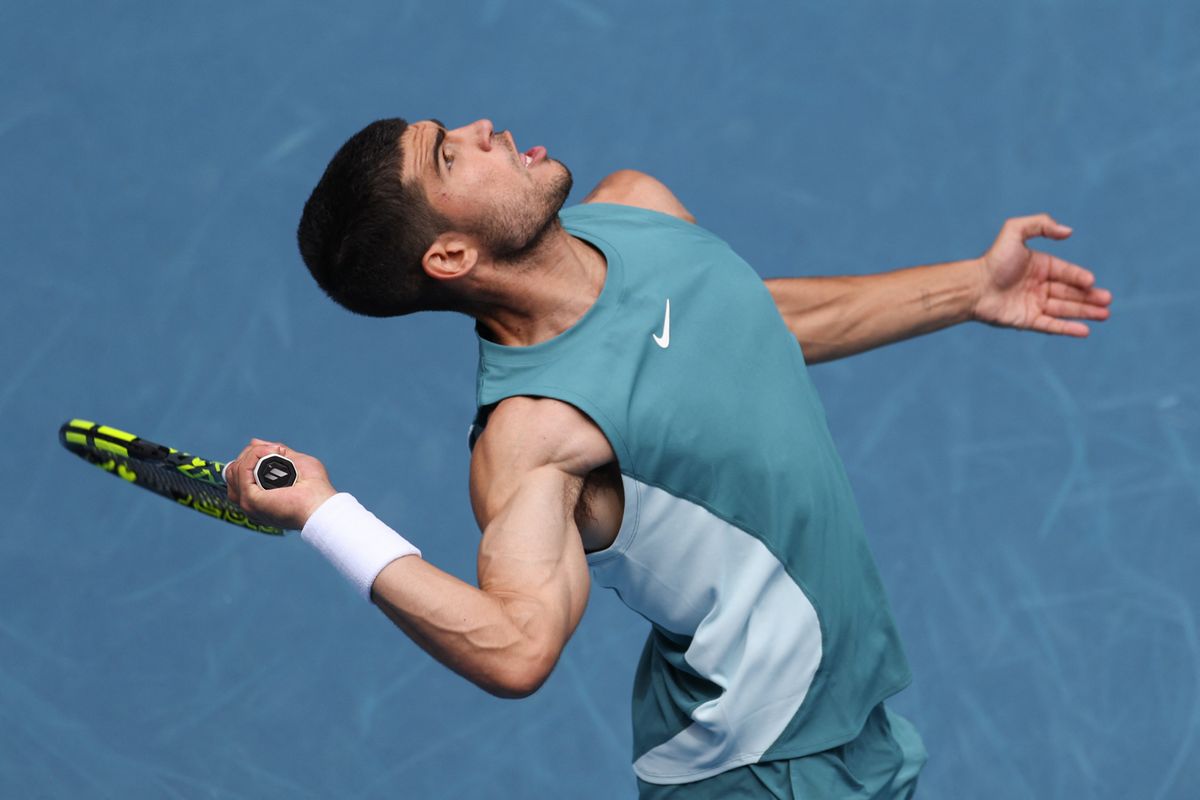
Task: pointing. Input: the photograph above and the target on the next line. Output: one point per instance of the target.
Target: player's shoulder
(530, 432)
(630, 187)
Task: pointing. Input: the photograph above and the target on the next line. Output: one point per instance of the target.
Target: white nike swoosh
(664, 341)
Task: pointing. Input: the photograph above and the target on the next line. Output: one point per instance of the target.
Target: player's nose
(481, 131)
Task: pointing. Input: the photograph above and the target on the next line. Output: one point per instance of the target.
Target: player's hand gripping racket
(272, 471)
(188, 480)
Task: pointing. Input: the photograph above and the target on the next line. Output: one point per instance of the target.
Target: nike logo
(664, 341)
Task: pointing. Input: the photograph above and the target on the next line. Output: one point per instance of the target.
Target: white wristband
(354, 540)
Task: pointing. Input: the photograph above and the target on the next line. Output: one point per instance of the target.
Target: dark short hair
(364, 230)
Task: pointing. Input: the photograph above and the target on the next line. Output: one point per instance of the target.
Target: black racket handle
(272, 471)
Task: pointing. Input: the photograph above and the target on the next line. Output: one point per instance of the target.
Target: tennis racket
(188, 480)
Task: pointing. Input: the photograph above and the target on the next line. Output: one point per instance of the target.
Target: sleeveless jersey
(741, 542)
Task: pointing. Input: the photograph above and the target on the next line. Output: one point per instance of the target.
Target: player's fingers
(1096, 297)
(231, 473)
(1073, 310)
(232, 487)
(1100, 298)
(1038, 225)
(240, 470)
(270, 442)
(1059, 327)
(257, 449)
(268, 449)
(248, 487)
(246, 451)
(1062, 291)
(267, 443)
(1070, 273)
(265, 448)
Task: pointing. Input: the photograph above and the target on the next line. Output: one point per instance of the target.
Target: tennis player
(645, 420)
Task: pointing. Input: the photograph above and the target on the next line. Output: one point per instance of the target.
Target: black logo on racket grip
(275, 472)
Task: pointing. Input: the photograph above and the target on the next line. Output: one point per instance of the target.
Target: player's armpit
(629, 187)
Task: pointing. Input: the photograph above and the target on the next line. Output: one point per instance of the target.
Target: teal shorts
(881, 764)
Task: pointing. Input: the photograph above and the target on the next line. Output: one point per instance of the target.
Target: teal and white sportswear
(741, 542)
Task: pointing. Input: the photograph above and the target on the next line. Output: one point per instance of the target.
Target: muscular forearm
(505, 635)
(487, 640)
(837, 317)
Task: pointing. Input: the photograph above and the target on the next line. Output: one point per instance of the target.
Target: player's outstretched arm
(506, 634)
(1009, 286)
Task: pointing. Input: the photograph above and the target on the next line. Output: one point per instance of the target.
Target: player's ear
(451, 256)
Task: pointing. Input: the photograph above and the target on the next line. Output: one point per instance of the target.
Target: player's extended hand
(1024, 288)
(289, 507)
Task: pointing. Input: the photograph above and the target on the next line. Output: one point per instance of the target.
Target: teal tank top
(741, 542)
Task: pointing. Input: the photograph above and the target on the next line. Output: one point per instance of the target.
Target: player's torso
(726, 518)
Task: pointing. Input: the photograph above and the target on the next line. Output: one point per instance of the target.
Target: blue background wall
(1034, 503)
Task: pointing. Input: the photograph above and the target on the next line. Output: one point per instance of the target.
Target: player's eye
(448, 159)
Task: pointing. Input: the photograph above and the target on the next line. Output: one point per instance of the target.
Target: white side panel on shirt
(754, 632)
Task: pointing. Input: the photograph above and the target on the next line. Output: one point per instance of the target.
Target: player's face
(476, 178)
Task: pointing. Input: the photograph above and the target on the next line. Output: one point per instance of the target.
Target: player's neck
(543, 294)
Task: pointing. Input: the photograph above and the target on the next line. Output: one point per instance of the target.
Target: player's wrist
(354, 540)
(314, 503)
(979, 279)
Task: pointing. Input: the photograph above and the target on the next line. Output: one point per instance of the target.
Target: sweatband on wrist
(354, 540)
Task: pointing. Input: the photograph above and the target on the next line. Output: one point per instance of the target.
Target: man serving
(645, 419)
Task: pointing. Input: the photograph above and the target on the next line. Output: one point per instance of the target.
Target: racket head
(188, 480)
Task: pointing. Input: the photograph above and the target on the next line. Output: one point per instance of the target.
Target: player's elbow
(519, 677)
(517, 688)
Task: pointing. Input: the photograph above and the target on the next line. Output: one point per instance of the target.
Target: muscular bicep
(531, 557)
(527, 474)
(629, 187)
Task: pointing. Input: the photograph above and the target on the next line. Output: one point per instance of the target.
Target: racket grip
(272, 471)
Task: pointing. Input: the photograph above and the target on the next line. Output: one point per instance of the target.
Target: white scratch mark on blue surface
(1070, 417)
(588, 12)
(15, 379)
(586, 695)
(288, 145)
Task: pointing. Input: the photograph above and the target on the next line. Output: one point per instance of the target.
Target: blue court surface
(1033, 503)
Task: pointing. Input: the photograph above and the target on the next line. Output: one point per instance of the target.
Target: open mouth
(533, 155)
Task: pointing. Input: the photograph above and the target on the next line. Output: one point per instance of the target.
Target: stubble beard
(513, 233)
